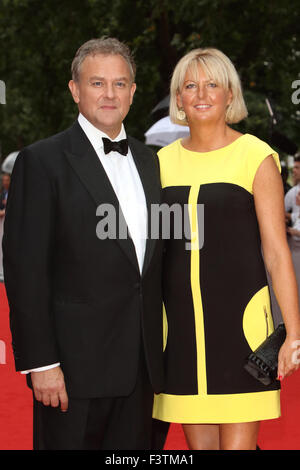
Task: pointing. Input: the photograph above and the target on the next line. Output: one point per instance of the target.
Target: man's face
(296, 172)
(5, 181)
(104, 91)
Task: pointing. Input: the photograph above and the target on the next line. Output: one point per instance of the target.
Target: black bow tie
(121, 146)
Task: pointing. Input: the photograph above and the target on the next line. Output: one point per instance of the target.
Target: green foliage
(39, 40)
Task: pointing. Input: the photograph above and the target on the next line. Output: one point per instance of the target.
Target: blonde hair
(218, 67)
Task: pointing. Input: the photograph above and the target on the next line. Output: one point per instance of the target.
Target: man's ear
(73, 86)
(132, 91)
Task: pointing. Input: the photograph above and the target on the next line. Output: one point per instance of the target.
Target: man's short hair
(105, 46)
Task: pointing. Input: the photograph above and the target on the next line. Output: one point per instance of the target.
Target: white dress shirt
(126, 183)
(292, 207)
(290, 202)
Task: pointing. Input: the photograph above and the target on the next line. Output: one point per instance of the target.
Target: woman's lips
(202, 106)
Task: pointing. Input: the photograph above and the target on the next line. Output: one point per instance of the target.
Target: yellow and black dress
(216, 297)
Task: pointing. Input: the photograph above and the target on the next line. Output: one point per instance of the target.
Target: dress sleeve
(257, 154)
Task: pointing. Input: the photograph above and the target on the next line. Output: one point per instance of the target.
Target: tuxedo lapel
(85, 162)
(151, 187)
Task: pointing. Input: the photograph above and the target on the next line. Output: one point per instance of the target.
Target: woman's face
(202, 99)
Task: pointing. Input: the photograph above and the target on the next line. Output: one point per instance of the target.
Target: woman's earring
(181, 114)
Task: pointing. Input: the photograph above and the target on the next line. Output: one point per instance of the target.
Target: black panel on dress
(180, 353)
(231, 272)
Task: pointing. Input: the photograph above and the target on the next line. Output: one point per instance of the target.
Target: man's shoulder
(48, 143)
(48, 151)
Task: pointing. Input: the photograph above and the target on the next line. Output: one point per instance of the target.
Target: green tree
(39, 40)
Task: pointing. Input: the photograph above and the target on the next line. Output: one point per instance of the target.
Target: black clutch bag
(263, 362)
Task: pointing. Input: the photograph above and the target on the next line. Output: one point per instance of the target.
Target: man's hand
(49, 388)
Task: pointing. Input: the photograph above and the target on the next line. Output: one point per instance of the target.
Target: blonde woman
(216, 297)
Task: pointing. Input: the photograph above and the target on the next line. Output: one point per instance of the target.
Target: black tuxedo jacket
(76, 299)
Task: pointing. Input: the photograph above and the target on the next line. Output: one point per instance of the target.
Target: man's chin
(112, 129)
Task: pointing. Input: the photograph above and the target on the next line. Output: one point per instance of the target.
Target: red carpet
(16, 413)
(15, 396)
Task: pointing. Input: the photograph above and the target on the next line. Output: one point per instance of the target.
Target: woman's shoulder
(252, 141)
(169, 149)
(256, 150)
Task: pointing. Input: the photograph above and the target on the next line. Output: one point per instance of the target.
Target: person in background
(291, 207)
(85, 301)
(284, 176)
(4, 192)
(3, 198)
(216, 296)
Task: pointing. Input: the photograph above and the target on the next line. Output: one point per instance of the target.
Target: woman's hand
(289, 357)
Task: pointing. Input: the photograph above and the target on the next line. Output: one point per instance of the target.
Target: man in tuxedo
(85, 308)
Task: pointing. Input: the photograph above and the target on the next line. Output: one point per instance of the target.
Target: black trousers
(122, 423)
